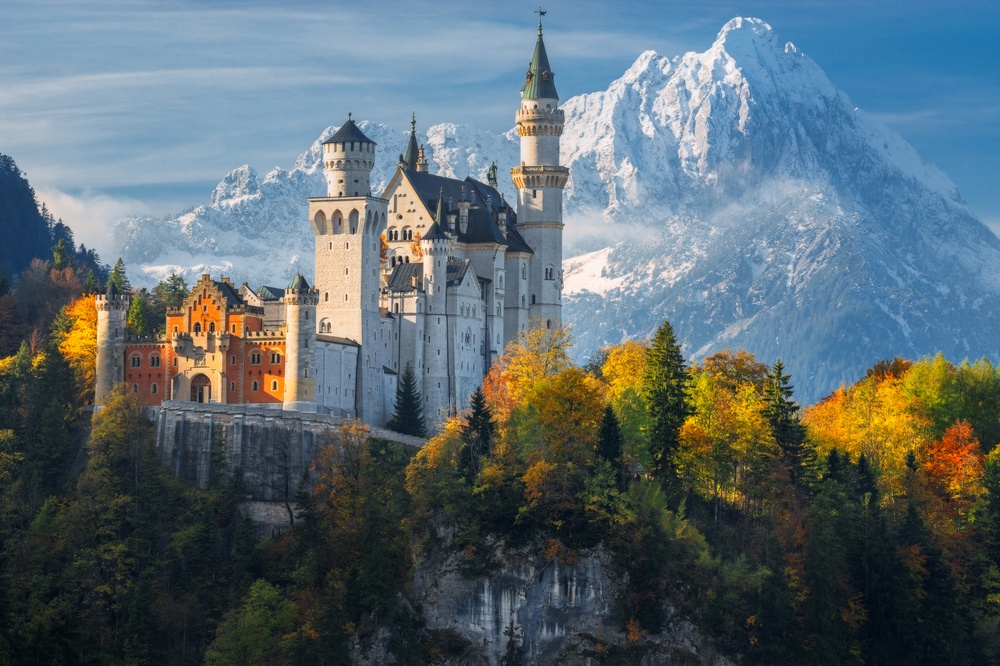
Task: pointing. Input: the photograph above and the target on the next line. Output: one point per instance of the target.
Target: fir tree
(408, 414)
(665, 380)
(139, 314)
(609, 443)
(62, 256)
(477, 435)
(782, 413)
(91, 285)
(118, 277)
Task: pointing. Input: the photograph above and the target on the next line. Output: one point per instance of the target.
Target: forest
(864, 529)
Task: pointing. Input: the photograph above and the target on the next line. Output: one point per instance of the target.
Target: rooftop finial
(540, 13)
(413, 121)
(348, 116)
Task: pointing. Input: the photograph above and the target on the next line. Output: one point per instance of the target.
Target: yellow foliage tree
(79, 344)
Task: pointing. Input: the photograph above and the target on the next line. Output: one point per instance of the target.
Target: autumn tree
(78, 344)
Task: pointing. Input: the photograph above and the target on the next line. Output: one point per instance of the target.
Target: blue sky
(115, 107)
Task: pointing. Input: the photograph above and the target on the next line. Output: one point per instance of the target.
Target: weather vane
(540, 13)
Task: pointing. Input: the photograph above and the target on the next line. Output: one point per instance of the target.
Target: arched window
(135, 361)
(197, 327)
(532, 299)
(211, 327)
(524, 272)
(154, 360)
(275, 357)
(135, 388)
(522, 300)
(549, 272)
(274, 384)
(255, 358)
(153, 389)
(253, 385)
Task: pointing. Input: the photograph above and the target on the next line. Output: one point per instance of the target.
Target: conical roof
(539, 80)
(349, 132)
(298, 283)
(436, 232)
(112, 290)
(412, 151)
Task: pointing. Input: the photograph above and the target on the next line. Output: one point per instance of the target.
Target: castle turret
(112, 315)
(348, 224)
(436, 383)
(540, 181)
(300, 346)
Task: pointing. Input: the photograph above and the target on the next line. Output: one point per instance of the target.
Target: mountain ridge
(756, 207)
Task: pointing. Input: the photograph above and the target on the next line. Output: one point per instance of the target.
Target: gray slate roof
(349, 132)
(401, 278)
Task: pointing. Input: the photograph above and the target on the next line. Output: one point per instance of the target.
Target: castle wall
(269, 446)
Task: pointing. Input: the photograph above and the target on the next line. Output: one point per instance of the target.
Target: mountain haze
(735, 192)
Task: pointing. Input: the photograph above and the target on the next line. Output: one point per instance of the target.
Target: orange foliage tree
(79, 344)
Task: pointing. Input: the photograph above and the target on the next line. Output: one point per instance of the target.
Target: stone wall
(270, 446)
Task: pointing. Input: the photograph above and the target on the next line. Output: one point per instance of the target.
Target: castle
(437, 274)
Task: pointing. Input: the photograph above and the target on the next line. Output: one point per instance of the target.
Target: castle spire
(539, 80)
(412, 153)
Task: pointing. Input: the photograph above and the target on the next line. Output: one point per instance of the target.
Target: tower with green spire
(540, 180)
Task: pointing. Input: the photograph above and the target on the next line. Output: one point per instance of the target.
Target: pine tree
(408, 414)
(477, 435)
(62, 256)
(665, 380)
(118, 277)
(782, 413)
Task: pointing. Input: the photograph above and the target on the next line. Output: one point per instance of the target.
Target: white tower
(540, 181)
(436, 379)
(112, 315)
(300, 346)
(348, 224)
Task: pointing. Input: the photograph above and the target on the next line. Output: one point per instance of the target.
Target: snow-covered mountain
(759, 209)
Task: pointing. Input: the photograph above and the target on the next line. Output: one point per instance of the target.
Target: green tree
(169, 294)
(477, 436)
(118, 277)
(408, 412)
(258, 632)
(90, 285)
(62, 257)
(140, 317)
(782, 413)
(665, 380)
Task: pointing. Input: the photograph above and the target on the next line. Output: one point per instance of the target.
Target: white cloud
(90, 215)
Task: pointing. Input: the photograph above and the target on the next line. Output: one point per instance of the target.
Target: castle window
(253, 385)
(274, 384)
(347, 245)
(326, 296)
(522, 300)
(175, 329)
(232, 360)
(548, 323)
(275, 357)
(534, 194)
(204, 308)
(307, 315)
(532, 299)
(175, 361)
(154, 361)
(255, 358)
(345, 297)
(331, 245)
(524, 272)
(347, 271)
(135, 388)
(211, 327)
(153, 389)
(135, 361)
(232, 386)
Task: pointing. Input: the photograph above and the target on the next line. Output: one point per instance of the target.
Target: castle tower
(436, 379)
(540, 181)
(300, 346)
(112, 314)
(348, 224)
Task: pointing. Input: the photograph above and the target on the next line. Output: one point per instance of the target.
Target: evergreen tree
(609, 444)
(91, 285)
(408, 414)
(169, 294)
(61, 255)
(665, 380)
(4, 283)
(140, 317)
(782, 413)
(118, 277)
(477, 435)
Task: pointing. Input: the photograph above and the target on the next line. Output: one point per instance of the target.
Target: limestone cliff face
(561, 610)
